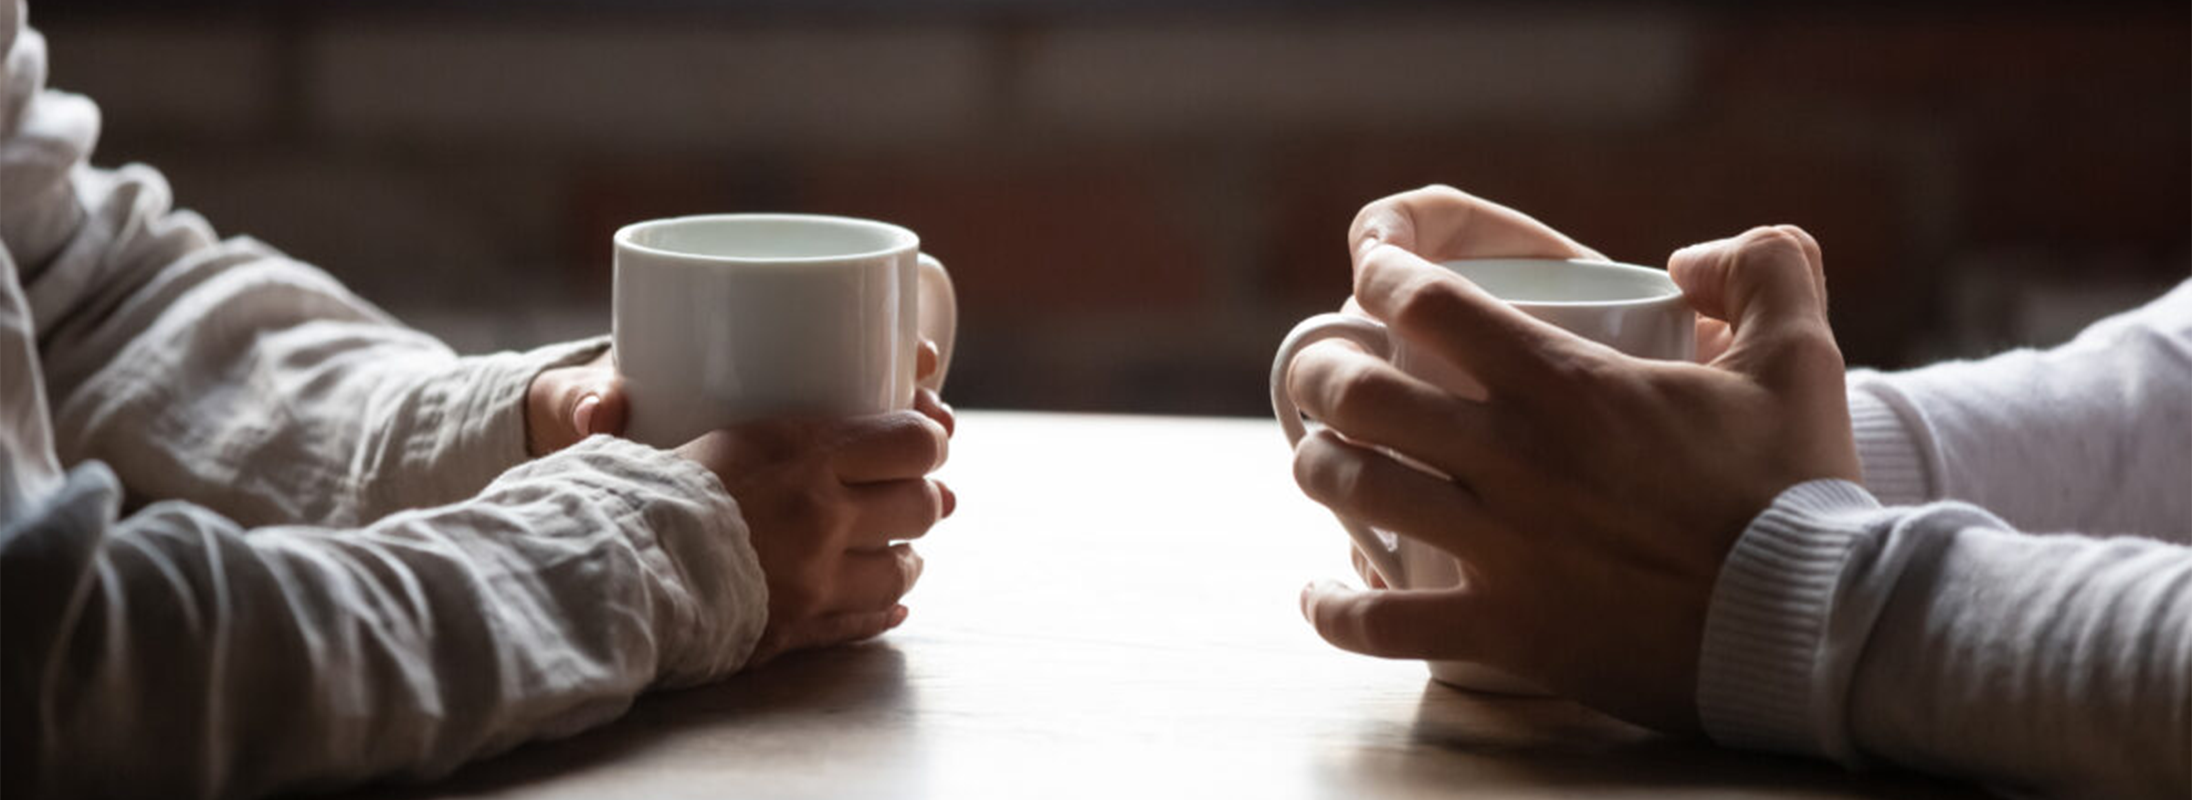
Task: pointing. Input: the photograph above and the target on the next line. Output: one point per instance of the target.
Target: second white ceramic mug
(727, 318)
(1636, 310)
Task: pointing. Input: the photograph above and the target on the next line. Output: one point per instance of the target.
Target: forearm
(1939, 638)
(301, 657)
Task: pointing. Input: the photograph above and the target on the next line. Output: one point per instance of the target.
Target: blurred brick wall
(1137, 203)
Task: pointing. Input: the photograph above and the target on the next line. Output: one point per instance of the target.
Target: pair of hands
(1594, 494)
(829, 504)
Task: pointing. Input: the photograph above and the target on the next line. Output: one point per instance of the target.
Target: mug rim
(1673, 292)
(625, 237)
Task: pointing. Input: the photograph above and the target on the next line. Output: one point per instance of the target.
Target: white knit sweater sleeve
(1938, 631)
(2093, 436)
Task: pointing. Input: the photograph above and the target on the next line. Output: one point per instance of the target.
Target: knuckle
(1812, 348)
(1802, 237)
(1362, 392)
(1443, 191)
(813, 510)
(1305, 469)
(1311, 463)
(909, 433)
(1372, 631)
(1428, 303)
(932, 502)
(1767, 245)
(901, 579)
(1322, 471)
(934, 443)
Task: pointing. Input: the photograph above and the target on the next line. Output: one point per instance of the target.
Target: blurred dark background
(1139, 198)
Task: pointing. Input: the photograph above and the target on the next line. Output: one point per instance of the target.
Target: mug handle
(1373, 337)
(939, 316)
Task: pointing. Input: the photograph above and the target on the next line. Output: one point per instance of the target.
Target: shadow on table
(1495, 740)
(867, 679)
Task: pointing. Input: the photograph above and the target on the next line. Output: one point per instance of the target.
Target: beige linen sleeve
(222, 372)
(260, 612)
(174, 653)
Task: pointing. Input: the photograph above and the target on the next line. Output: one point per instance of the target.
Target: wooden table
(1112, 613)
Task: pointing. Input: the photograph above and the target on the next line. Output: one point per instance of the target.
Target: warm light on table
(1112, 613)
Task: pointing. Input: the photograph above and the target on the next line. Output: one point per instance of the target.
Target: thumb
(1768, 275)
(1767, 285)
(601, 409)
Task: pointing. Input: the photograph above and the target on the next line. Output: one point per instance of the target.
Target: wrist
(538, 410)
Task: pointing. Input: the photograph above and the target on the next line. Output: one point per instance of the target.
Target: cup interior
(1565, 282)
(768, 237)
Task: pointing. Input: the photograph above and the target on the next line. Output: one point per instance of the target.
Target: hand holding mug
(566, 404)
(830, 505)
(1592, 494)
(797, 357)
(1633, 309)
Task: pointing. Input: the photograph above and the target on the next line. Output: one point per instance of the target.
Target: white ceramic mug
(727, 318)
(1636, 310)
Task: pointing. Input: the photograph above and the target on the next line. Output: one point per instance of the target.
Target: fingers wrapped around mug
(932, 405)
(1363, 484)
(1373, 402)
(1402, 623)
(892, 446)
(1442, 222)
(896, 511)
(828, 505)
(1510, 352)
(1767, 288)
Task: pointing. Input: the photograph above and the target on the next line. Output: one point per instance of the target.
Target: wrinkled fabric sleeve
(173, 653)
(222, 371)
(192, 639)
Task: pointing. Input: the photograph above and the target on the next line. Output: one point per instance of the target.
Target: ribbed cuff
(1770, 675)
(1889, 448)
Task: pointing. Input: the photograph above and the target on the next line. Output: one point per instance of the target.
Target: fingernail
(898, 615)
(583, 416)
(951, 498)
(1303, 601)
